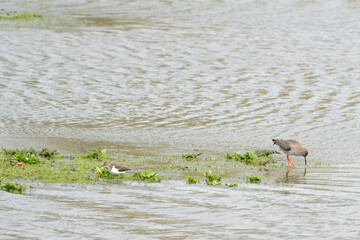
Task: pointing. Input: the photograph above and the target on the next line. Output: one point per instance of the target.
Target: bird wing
(119, 167)
(284, 145)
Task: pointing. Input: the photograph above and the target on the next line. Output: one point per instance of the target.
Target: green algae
(97, 155)
(12, 187)
(233, 184)
(19, 16)
(28, 19)
(212, 178)
(192, 180)
(147, 175)
(257, 158)
(190, 157)
(253, 179)
(87, 168)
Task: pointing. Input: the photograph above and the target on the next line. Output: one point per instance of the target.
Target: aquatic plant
(190, 157)
(102, 172)
(192, 180)
(318, 164)
(11, 187)
(253, 179)
(147, 175)
(29, 156)
(18, 16)
(26, 158)
(275, 167)
(241, 157)
(211, 178)
(233, 184)
(11, 152)
(265, 153)
(98, 155)
(49, 154)
(86, 168)
(251, 158)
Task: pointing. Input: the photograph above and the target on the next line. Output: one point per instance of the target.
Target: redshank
(291, 147)
(115, 168)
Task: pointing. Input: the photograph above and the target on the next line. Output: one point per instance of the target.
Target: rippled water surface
(164, 77)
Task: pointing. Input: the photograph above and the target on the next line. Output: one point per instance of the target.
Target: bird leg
(287, 156)
(305, 161)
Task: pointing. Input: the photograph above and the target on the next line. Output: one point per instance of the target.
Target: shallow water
(175, 210)
(164, 77)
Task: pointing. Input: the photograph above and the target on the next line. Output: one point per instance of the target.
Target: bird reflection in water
(294, 179)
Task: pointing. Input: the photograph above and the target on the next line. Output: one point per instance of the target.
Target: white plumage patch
(115, 171)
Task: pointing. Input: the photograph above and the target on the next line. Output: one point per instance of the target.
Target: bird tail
(275, 141)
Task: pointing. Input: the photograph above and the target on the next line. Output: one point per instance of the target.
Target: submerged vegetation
(28, 19)
(19, 16)
(50, 166)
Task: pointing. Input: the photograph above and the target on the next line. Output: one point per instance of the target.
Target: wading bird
(115, 168)
(291, 147)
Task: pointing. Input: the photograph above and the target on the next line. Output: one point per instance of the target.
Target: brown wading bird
(115, 168)
(291, 147)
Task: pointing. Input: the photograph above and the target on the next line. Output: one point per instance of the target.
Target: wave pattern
(218, 73)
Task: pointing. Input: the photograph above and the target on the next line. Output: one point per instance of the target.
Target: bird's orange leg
(287, 156)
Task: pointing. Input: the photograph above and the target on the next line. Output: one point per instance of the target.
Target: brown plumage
(115, 168)
(291, 147)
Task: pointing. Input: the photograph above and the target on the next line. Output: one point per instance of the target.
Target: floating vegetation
(251, 158)
(147, 175)
(253, 179)
(26, 19)
(97, 155)
(275, 167)
(13, 188)
(19, 16)
(190, 157)
(211, 178)
(49, 166)
(233, 184)
(192, 180)
(318, 164)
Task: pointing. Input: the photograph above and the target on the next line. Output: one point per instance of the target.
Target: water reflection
(295, 177)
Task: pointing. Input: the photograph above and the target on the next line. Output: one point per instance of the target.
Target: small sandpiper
(115, 168)
(291, 147)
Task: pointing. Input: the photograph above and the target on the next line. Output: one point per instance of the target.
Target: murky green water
(166, 77)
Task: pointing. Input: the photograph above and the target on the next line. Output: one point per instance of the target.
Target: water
(165, 77)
